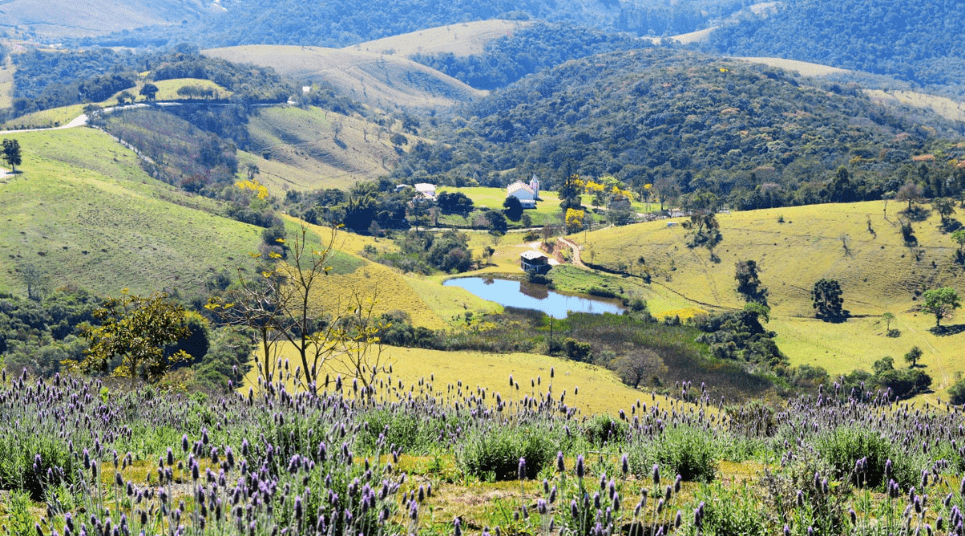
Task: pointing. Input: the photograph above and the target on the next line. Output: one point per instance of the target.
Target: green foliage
(956, 393)
(495, 452)
(732, 511)
(940, 302)
(682, 450)
(38, 336)
(603, 430)
(356, 21)
(227, 359)
(712, 137)
(842, 447)
(513, 208)
(20, 452)
(809, 30)
(133, 335)
(913, 356)
(826, 300)
(740, 335)
(577, 350)
(749, 284)
(11, 153)
(454, 203)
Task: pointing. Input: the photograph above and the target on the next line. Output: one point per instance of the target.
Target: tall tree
(149, 91)
(749, 283)
(11, 153)
(940, 302)
(570, 193)
(513, 208)
(827, 301)
(913, 356)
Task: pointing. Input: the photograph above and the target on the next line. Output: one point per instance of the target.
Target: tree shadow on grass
(950, 226)
(944, 331)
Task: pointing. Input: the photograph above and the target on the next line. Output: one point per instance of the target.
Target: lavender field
(84, 457)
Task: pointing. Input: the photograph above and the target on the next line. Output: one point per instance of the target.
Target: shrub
(686, 451)
(732, 511)
(956, 393)
(494, 453)
(18, 455)
(602, 429)
(845, 445)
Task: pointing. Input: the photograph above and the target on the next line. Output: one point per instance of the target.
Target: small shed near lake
(534, 262)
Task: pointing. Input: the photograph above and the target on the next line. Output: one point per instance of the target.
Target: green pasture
(85, 213)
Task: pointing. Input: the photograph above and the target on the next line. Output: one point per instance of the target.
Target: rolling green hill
(85, 213)
(794, 247)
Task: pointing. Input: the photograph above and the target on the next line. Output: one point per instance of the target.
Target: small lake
(526, 295)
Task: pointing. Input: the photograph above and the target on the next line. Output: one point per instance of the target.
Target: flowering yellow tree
(574, 219)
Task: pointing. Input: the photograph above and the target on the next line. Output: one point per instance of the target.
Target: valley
(234, 233)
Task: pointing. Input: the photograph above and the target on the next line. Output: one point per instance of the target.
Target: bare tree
(282, 306)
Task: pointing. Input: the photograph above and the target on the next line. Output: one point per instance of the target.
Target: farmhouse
(534, 262)
(426, 191)
(523, 192)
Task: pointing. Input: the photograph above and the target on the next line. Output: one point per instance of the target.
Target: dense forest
(529, 50)
(918, 41)
(49, 79)
(338, 24)
(753, 136)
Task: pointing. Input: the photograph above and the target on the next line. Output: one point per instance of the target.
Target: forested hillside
(47, 79)
(754, 136)
(529, 50)
(919, 40)
(337, 24)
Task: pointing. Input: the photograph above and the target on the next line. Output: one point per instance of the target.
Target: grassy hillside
(591, 389)
(304, 154)
(58, 19)
(878, 273)
(84, 212)
(464, 39)
(380, 80)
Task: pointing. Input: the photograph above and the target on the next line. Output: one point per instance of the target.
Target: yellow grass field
(878, 273)
(46, 118)
(428, 304)
(592, 390)
(168, 89)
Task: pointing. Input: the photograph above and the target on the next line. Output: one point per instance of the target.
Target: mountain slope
(685, 122)
(379, 80)
(85, 213)
(56, 19)
(918, 41)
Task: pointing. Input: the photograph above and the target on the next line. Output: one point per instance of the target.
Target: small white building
(526, 195)
(426, 191)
